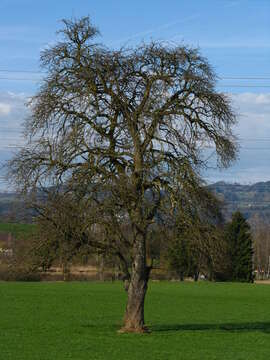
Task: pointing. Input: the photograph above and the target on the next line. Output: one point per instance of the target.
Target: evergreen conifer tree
(178, 257)
(240, 249)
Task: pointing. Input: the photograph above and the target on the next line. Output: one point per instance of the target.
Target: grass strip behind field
(17, 229)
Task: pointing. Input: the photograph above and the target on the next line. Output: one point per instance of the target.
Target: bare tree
(129, 128)
(260, 234)
(63, 230)
(69, 224)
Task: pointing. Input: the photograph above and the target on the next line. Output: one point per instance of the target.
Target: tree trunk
(181, 277)
(134, 315)
(101, 269)
(66, 271)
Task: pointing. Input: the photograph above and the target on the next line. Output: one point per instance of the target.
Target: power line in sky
(22, 71)
(244, 86)
(19, 132)
(222, 77)
(19, 79)
(220, 86)
(243, 78)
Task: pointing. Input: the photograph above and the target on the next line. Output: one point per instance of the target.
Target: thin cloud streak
(154, 30)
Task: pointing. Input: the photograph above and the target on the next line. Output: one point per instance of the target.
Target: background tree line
(217, 251)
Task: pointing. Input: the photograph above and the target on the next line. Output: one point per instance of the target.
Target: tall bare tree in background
(127, 128)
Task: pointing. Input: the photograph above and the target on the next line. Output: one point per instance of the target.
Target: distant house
(6, 244)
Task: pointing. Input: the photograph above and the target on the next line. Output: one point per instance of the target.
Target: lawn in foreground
(53, 321)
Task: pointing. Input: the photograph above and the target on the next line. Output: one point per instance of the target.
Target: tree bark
(134, 315)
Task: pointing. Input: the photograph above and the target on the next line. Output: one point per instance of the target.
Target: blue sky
(233, 34)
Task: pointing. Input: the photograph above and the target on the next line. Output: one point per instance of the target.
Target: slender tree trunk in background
(126, 284)
(210, 270)
(196, 276)
(66, 271)
(134, 315)
(101, 269)
(181, 277)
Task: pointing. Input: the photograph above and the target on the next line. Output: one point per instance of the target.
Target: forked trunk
(134, 315)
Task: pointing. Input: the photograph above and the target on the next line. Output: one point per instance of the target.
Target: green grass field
(53, 321)
(17, 229)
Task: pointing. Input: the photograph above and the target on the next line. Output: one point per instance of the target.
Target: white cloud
(253, 113)
(253, 131)
(12, 114)
(5, 108)
(263, 99)
(251, 99)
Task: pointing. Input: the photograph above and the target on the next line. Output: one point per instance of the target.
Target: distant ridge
(252, 200)
(10, 206)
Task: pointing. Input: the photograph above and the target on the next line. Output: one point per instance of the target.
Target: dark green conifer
(240, 249)
(178, 257)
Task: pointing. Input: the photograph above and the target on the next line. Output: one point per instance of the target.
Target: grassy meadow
(53, 321)
(17, 229)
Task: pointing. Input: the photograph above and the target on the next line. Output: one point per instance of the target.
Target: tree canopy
(127, 130)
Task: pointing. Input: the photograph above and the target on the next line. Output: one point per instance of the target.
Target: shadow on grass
(232, 327)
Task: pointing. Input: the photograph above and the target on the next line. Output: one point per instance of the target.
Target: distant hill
(7, 203)
(12, 208)
(251, 200)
